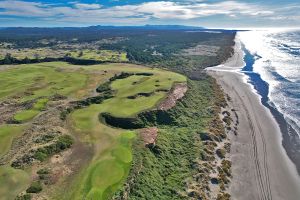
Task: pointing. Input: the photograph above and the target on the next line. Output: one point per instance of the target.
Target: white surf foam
(279, 66)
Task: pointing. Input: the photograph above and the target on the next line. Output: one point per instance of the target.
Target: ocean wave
(277, 61)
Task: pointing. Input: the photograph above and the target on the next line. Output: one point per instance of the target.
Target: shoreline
(261, 168)
(290, 138)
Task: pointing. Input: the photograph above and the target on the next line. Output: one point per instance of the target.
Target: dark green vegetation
(35, 187)
(24, 197)
(42, 153)
(63, 142)
(150, 46)
(164, 48)
(165, 170)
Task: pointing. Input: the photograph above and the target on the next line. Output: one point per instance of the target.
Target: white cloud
(161, 10)
(87, 6)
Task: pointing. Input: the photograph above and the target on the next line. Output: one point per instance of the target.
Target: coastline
(290, 138)
(261, 168)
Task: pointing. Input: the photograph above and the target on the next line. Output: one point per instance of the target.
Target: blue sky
(212, 13)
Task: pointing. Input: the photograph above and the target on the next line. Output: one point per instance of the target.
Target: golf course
(46, 89)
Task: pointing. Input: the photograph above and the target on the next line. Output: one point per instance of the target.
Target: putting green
(109, 174)
(123, 154)
(104, 175)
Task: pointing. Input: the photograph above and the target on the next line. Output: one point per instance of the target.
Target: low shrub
(35, 187)
(63, 142)
(64, 113)
(43, 171)
(95, 100)
(41, 156)
(103, 87)
(120, 76)
(221, 153)
(24, 197)
(45, 138)
(144, 74)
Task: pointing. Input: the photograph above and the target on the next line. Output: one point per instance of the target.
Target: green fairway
(12, 182)
(37, 80)
(7, 134)
(124, 107)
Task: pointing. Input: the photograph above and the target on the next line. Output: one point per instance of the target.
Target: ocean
(272, 65)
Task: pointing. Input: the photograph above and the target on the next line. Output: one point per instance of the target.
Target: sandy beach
(261, 168)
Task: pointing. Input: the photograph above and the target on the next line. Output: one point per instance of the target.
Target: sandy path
(260, 167)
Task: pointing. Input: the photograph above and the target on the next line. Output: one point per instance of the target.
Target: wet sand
(261, 168)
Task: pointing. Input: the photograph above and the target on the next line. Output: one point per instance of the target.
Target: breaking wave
(277, 61)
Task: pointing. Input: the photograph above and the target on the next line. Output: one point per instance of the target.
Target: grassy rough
(12, 182)
(7, 134)
(85, 54)
(100, 55)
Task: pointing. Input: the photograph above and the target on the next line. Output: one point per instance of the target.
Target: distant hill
(101, 27)
(151, 27)
(92, 33)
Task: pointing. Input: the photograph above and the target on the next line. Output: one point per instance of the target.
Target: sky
(210, 14)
